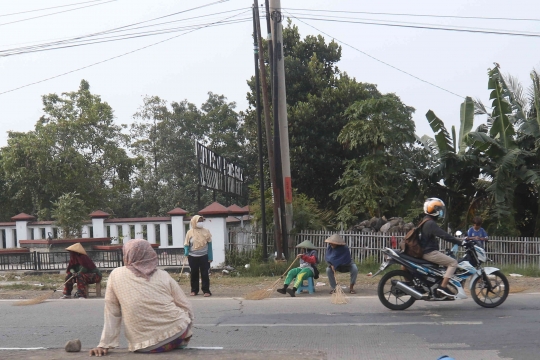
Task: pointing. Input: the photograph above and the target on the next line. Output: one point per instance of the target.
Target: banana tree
(503, 160)
(453, 170)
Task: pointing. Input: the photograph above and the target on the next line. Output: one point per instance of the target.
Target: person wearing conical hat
(308, 263)
(338, 258)
(81, 270)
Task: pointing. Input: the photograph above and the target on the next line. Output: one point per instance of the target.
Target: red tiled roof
(246, 208)
(22, 217)
(214, 209)
(98, 214)
(232, 219)
(236, 210)
(177, 212)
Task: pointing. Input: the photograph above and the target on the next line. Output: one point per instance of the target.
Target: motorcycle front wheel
(497, 295)
(392, 297)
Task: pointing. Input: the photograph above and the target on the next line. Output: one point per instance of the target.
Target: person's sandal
(207, 294)
(332, 291)
(193, 294)
(352, 291)
(65, 297)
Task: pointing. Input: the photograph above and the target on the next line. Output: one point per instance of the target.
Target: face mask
(200, 225)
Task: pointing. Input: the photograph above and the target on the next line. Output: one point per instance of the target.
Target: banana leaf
(466, 116)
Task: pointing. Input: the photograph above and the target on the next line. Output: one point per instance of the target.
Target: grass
(531, 271)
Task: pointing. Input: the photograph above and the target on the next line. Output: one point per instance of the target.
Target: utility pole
(269, 142)
(259, 129)
(279, 67)
(276, 19)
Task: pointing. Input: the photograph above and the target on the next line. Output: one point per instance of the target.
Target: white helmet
(435, 207)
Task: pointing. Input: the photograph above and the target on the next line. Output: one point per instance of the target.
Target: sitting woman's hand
(98, 351)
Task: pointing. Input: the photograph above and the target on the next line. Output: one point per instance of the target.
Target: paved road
(362, 329)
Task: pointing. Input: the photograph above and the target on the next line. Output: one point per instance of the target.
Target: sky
(220, 59)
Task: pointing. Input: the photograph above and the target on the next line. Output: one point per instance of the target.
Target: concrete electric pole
(277, 37)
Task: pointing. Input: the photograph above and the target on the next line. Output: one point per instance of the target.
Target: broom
(266, 293)
(40, 298)
(338, 296)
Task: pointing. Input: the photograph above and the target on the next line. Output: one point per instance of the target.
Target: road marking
(347, 324)
(206, 347)
(11, 349)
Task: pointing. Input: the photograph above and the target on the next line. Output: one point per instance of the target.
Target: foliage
(376, 182)
(306, 214)
(69, 213)
(75, 147)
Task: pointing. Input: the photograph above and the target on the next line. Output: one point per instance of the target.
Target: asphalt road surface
(301, 327)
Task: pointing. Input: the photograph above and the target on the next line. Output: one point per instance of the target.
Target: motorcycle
(399, 289)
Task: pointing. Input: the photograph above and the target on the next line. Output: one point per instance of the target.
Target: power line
(55, 13)
(431, 26)
(118, 56)
(424, 27)
(89, 39)
(49, 8)
(129, 36)
(376, 59)
(416, 15)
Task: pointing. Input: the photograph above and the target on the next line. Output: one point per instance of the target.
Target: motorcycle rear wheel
(393, 298)
(487, 299)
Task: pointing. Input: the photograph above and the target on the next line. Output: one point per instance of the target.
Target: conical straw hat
(335, 239)
(306, 245)
(78, 248)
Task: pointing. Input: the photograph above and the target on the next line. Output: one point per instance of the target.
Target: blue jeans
(353, 269)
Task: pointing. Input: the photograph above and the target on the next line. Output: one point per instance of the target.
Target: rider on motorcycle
(434, 208)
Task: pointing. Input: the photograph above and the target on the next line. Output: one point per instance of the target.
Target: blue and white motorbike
(399, 289)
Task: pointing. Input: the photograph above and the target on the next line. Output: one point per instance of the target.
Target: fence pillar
(177, 224)
(216, 215)
(49, 229)
(10, 239)
(151, 233)
(114, 233)
(86, 231)
(126, 233)
(139, 231)
(163, 235)
(98, 223)
(21, 225)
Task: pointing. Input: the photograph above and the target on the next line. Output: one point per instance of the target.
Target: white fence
(364, 247)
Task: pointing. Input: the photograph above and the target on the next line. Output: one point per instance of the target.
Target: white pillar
(114, 233)
(218, 228)
(139, 231)
(177, 224)
(98, 224)
(163, 235)
(126, 233)
(10, 239)
(49, 229)
(21, 226)
(151, 233)
(37, 233)
(86, 231)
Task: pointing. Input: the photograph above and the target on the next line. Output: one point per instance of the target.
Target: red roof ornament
(214, 209)
(98, 214)
(23, 217)
(177, 212)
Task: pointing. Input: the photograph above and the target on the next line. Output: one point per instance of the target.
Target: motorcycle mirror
(459, 233)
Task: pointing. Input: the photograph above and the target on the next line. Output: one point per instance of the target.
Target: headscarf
(340, 255)
(200, 236)
(80, 259)
(140, 258)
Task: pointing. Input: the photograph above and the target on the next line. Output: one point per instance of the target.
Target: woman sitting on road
(81, 270)
(156, 313)
(307, 268)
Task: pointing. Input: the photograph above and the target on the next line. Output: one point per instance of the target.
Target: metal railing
(107, 259)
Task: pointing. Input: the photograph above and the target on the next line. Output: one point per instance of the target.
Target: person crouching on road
(156, 313)
(81, 270)
(338, 257)
(308, 263)
(198, 249)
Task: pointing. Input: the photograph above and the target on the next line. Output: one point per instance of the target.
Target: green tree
(376, 183)
(69, 213)
(75, 147)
